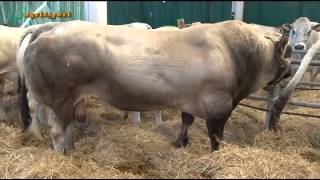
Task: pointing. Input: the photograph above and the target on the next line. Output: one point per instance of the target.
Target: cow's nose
(299, 47)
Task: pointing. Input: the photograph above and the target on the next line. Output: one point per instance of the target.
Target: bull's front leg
(183, 140)
(215, 122)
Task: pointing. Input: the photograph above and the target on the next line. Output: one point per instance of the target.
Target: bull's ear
(286, 27)
(316, 27)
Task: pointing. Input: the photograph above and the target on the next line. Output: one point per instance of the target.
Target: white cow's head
(139, 25)
(300, 32)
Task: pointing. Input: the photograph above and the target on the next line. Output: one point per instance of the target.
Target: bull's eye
(309, 33)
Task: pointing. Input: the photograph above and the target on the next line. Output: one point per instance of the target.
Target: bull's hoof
(82, 125)
(63, 149)
(214, 148)
(181, 143)
(277, 129)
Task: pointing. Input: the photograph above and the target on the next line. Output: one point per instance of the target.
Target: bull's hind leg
(158, 119)
(215, 122)
(62, 127)
(187, 120)
(136, 118)
(35, 107)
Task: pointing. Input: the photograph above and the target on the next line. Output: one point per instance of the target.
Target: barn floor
(113, 148)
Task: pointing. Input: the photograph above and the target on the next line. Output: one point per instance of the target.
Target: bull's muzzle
(300, 46)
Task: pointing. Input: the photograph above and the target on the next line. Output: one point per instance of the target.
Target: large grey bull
(303, 34)
(38, 110)
(204, 71)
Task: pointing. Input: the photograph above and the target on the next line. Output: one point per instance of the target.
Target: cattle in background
(138, 25)
(204, 71)
(9, 37)
(166, 28)
(303, 34)
(136, 116)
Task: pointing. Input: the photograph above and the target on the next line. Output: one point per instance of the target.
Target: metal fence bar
(292, 102)
(258, 98)
(309, 83)
(271, 95)
(275, 91)
(312, 63)
(302, 52)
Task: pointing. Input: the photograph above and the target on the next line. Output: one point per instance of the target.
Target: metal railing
(275, 91)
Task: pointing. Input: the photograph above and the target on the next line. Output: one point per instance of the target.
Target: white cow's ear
(316, 27)
(286, 27)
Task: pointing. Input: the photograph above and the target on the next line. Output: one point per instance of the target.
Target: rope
(289, 113)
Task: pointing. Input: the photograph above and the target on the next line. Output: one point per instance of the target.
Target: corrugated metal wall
(275, 13)
(160, 13)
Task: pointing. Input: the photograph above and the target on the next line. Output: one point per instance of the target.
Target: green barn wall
(157, 13)
(275, 13)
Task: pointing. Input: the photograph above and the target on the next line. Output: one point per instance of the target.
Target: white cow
(303, 34)
(9, 36)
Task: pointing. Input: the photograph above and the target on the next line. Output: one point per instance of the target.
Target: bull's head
(281, 59)
(300, 33)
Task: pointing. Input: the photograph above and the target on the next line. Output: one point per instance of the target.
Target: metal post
(106, 12)
(181, 23)
(238, 10)
(96, 11)
(271, 95)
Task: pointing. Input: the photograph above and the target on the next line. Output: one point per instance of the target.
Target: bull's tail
(24, 106)
(22, 88)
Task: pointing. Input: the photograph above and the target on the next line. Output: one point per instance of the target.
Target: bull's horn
(282, 100)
